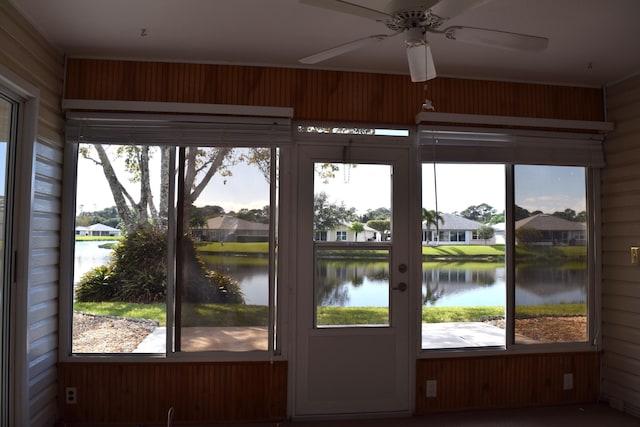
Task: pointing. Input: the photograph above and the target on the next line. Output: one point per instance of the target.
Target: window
(225, 305)
(351, 283)
(551, 269)
(320, 236)
(175, 246)
(463, 284)
(538, 226)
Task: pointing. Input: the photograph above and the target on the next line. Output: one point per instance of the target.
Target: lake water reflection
(365, 283)
(89, 255)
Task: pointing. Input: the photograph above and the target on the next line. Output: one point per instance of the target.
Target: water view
(361, 283)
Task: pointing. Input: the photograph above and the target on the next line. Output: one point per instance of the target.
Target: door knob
(401, 287)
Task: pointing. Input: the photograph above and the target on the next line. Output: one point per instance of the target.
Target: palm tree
(357, 228)
(431, 217)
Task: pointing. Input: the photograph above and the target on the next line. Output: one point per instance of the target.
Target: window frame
(511, 147)
(8, 393)
(28, 98)
(254, 136)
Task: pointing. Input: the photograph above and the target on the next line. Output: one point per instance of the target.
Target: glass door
(8, 129)
(353, 281)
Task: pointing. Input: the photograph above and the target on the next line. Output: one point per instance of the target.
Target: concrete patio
(434, 336)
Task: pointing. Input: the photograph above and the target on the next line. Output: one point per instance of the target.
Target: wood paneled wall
(506, 381)
(324, 95)
(199, 393)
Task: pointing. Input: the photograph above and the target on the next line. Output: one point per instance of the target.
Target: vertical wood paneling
(27, 54)
(620, 231)
(142, 393)
(506, 381)
(324, 95)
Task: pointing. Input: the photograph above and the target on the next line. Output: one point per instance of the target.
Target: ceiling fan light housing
(421, 66)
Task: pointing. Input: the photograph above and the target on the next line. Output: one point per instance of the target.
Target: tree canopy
(480, 213)
(328, 215)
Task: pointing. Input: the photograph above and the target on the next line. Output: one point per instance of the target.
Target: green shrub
(138, 274)
(140, 267)
(97, 285)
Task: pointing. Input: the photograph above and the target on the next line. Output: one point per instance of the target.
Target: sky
(368, 187)
(364, 187)
(459, 186)
(246, 188)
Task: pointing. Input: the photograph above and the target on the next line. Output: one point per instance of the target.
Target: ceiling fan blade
(448, 9)
(342, 49)
(496, 38)
(350, 8)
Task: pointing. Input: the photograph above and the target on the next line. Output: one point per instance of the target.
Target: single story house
(97, 230)
(231, 229)
(553, 230)
(344, 233)
(454, 230)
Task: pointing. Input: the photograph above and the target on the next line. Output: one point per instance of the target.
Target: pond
(364, 283)
(89, 255)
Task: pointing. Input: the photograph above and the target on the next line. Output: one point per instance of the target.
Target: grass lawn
(234, 247)
(96, 238)
(257, 315)
(155, 312)
(463, 252)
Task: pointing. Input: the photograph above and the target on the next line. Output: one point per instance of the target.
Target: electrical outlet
(568, 381)
(432, 388)
(71, 395)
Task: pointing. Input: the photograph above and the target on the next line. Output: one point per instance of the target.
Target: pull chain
(346, 158)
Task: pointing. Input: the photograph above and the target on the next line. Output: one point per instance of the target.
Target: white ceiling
(591, 42)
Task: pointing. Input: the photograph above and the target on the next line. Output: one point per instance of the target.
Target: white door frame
(330, 383)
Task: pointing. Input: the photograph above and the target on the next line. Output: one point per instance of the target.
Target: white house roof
(365, 226)
(99, 227)
(550, 223)
(500, 226)
(231, 223)
(455, 222)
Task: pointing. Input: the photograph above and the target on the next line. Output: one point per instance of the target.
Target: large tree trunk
(120, 194)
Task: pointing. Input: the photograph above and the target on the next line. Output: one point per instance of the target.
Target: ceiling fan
(416, 18)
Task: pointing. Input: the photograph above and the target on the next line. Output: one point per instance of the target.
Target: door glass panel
(227, 284)
(352, 233)
(551, 254)
(352, 287)
(463, 263)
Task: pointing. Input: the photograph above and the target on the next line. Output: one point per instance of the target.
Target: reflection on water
(361, 283)
(89, 255)
(252, 273)
(352, 283)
